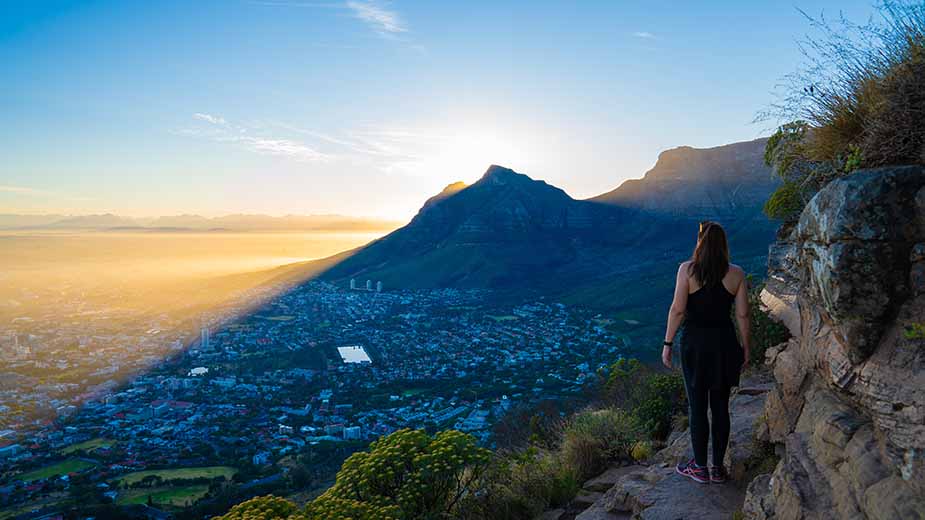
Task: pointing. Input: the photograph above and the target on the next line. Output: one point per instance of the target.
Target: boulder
(854, 238)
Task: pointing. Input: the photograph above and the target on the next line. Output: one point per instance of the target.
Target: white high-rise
(204, 338)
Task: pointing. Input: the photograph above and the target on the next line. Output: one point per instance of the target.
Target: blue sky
(368, 107)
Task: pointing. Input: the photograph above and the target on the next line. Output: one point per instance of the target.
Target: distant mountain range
(197, 223)
(516, 234)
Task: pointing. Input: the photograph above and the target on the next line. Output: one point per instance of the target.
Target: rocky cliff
(847, 411)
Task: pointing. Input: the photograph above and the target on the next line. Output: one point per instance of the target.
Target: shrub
(264, 508)
(595, 439)
(641, 451)
(653, 397)
(521, 486)
(786, 202)
(766, 332)
(405, 475)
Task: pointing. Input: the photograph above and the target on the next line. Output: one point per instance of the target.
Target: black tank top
(710, 353)
(710, 306)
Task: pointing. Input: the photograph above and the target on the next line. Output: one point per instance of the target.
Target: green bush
(654, 398)
(787, 202)
(641, 451)
(766, 332)
(521, 486)
(408, 474)
(595, 439)
(265, 508)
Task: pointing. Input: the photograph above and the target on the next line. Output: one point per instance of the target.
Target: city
(316, 368)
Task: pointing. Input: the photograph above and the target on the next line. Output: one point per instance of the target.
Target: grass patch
(15, 511)
(173, 496)
(178, 473)
(59, 469)
(503, 318)
(87, 446)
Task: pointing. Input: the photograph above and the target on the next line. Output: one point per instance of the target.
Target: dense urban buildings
(254, 387)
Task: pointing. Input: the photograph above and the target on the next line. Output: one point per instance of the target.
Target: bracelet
(667, 343)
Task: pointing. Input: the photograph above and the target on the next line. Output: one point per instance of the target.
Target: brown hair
(710, 261)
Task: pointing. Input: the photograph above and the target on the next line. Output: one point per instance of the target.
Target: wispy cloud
(377, 15)
(644, 35)
(221, 131)
(384, 21)
(215, 120)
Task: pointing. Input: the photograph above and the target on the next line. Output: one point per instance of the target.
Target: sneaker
(718, 474)
(691, 470)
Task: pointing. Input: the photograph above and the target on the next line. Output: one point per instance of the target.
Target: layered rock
(848, 407)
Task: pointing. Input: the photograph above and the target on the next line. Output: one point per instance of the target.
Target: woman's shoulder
(736, 273)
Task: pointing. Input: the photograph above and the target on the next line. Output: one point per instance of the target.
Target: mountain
(199, 223)
(93, 222)
(718, 183)
(519, 235)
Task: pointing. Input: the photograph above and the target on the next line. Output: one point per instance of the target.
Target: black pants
(718, 401)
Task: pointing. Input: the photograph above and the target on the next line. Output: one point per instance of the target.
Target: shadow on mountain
(524, 238)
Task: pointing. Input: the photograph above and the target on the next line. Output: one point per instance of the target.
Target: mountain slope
(523, 236)
(729, 181)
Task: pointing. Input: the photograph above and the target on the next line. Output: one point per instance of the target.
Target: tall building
(369, 285)
(353, 284)
(379, 286)
(204, 338)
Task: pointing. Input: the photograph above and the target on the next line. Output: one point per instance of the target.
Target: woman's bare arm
(743, 317)
(676, 312)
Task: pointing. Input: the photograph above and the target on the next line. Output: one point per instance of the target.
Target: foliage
(264, 508)
(520, 486)
(407, 474)
(763, 460)
(333, 508)
(786, 202)
(652, 397)
(915, 331)
(597, 438)
(538, 424)
(642, 450)
(857, 102)
(765, 331)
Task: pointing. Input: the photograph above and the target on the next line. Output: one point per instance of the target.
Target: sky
(364, 107)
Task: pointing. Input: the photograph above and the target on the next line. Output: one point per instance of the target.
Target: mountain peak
(454, 187)
(500, 173)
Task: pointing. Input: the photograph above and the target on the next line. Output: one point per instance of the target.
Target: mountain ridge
(512, 233)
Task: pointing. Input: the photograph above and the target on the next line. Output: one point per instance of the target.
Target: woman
(711, 358)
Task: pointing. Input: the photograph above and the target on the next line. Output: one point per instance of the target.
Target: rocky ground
(654, 491)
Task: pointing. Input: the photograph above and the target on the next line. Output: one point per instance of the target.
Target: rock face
(716, 183)
(848, 408)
